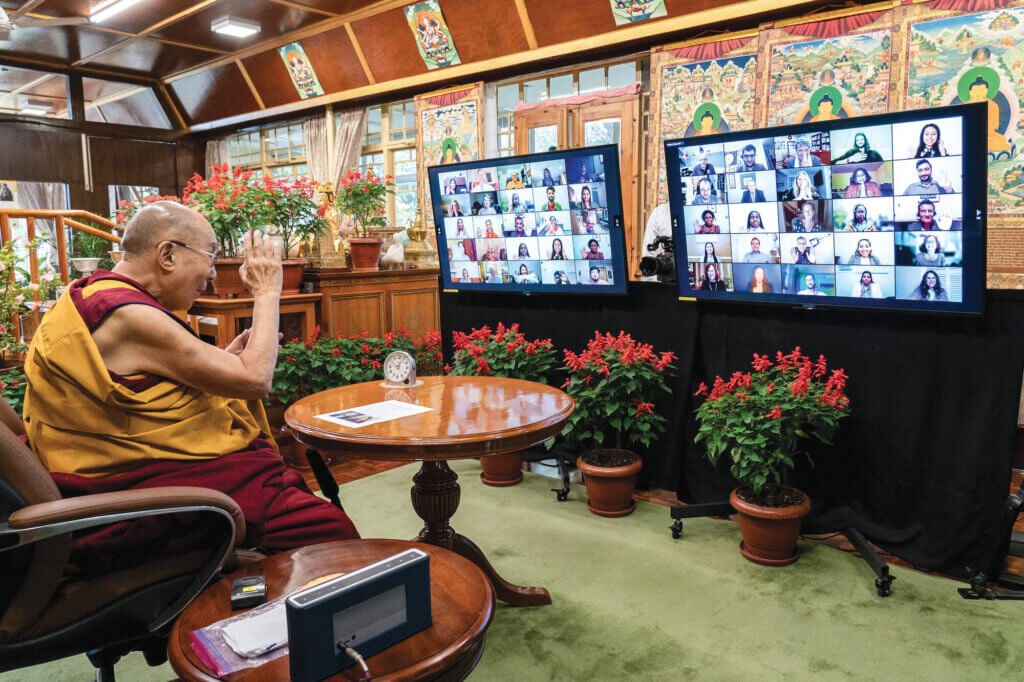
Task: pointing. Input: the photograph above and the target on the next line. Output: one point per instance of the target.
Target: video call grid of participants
(858, 212)
(543, 222)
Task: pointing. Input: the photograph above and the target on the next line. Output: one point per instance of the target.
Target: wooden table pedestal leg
(435, 497)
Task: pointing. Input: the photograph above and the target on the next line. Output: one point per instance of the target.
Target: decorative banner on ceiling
(449, 130)
(433, 38)
(301, 70)
(698, 88)
(629, 11)
(952, 57)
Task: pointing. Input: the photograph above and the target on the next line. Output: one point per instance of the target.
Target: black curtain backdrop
(922, 464)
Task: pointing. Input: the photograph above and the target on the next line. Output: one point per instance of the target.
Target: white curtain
(314, 132)
(39, 196)
(217, 152)
(348, 141)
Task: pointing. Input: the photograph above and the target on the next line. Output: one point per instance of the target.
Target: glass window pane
(621, 75)
(605, 131)
(535, 91)
(561, 86)
(591, 81)
(508, 98)
(27, 92)
(543, 138)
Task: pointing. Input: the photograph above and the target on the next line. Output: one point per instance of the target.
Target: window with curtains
(389, 148)
(566, 83)
(278, 151)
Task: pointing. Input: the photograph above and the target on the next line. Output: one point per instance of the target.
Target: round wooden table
(462, 606)
(470, 417)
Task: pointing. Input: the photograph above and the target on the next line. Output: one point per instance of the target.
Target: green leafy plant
(12, 387)
(235, 203)
(505, 352)
(361, 195)
(614, 382)
(758, 419)
(85, 245)
(295, 212)
(16, 293)
(305, 367)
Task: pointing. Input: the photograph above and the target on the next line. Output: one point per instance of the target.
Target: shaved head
(162, 221)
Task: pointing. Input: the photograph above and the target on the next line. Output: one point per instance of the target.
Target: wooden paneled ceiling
(358, 48)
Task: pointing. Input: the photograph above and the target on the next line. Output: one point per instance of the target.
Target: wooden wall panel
(270, 76)
(131, 162)
(351, 313)
(484, 33)
(216, 93)
(334, 60)
(191, 158)
(417, 310)
(389, 46)
(37, 154)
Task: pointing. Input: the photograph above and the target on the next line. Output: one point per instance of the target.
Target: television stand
(883, 580)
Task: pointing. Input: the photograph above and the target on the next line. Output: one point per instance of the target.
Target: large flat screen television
(880, 211)
(549, 222)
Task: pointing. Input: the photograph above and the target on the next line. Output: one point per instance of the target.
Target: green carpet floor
(631, 603)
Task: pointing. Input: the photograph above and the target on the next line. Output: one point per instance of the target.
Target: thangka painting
(449, 130)
(977, 58)
(301, 70)
(629, 11)
(822, 80)
(699, 97)
(433, 38)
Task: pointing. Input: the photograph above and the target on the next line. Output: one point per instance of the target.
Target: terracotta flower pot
(366, 252)
(769, 533)
(229, 283)
(502, 470)
(610, 488)
(29, 323)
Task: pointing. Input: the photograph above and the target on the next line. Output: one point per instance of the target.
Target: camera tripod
(1011, 543)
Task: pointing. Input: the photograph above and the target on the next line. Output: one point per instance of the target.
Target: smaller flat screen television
(882, 211)
(549, 222)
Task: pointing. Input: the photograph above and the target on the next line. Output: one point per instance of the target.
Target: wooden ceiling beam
(306, 8)
(524, 17)
(7, 58)
(650, 34)
(168, 103)
(252, 86)
(199, 6)
(24, 9)
(359, 54)
(298, 34)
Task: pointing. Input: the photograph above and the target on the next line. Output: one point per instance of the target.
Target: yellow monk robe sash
(80, 421)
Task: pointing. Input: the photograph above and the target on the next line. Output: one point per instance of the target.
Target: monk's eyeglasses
(211, 256)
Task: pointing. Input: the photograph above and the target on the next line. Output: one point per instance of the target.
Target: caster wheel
(883, 587)
(677, 530)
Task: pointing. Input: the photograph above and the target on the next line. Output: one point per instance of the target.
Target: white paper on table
(375, 413)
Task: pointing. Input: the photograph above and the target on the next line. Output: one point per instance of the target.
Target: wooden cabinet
(377, 302)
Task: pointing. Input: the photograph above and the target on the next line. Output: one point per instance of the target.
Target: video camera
(663, 265)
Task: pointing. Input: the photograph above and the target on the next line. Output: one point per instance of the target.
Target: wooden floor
(354, 469)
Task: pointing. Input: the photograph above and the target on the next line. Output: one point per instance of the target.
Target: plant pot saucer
(766, 562)
(613, 514)
(498, 482)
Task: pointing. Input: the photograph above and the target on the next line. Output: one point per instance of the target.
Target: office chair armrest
(48, 519)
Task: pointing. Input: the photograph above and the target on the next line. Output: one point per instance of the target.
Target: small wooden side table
(229, 310)
(462, 606)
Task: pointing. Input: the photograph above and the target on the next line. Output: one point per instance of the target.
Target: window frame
(270, 161)
(387, 147)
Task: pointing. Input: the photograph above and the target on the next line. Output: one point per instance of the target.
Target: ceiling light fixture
(31, 108)
(107, 9)
(237, 28)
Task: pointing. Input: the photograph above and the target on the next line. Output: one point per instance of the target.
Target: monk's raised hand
(261, 270)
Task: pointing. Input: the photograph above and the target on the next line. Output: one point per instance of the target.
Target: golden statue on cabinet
(324, 251)
(418, 253)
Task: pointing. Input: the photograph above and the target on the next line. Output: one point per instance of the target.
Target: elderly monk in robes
(123, 394)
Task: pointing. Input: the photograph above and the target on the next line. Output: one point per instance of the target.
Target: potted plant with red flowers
(614, 382)
(505, 352)
(361, 195)
(757, 421)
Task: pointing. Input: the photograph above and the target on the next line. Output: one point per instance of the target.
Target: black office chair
(47, 612)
